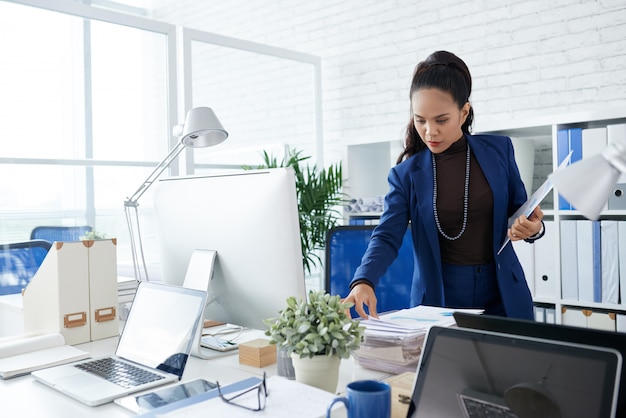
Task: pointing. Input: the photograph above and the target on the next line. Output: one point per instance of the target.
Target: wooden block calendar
(257, 353)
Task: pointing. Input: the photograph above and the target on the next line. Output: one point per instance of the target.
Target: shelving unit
(369, 164)
(551, 306)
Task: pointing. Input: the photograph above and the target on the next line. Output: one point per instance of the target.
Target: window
(263, 97)
(90, 98)
(85, 116)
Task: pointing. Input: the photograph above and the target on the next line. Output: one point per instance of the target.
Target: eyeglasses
(261, 393)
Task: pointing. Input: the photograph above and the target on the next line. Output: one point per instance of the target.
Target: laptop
(156, 339)
(470, 373)
(580, 335)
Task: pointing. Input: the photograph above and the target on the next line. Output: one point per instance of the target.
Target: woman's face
(437, 118)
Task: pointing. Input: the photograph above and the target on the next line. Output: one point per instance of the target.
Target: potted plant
(319, 194)
(317, 333)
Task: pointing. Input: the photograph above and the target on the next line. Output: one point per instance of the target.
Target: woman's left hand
(524, 227)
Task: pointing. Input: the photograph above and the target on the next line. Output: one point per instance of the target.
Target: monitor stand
(198, 276)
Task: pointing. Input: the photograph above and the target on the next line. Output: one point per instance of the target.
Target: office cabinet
(586, 253)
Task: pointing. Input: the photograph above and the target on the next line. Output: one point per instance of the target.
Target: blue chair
(19, 262)
(345, 246)
(60, 233)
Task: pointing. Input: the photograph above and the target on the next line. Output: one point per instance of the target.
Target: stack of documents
(393, 343)
(126, 289)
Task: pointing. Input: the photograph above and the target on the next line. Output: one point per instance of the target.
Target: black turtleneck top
(475, 246)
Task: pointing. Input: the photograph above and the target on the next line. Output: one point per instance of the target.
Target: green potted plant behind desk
(317, 333)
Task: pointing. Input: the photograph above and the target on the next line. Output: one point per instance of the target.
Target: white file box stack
(74, 292)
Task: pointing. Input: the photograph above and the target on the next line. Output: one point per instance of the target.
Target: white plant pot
(319, 371)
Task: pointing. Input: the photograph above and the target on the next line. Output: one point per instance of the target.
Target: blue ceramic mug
(365, 399)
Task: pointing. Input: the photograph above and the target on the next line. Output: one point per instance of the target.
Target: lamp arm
(136, 247)
(134, 198)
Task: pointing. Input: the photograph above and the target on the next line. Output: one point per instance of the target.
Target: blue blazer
(410, 198)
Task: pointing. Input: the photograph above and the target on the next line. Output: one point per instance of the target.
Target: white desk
(23, 396)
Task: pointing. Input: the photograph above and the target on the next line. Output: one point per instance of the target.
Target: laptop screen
(160, 326)
(579, 335)
(462, 365)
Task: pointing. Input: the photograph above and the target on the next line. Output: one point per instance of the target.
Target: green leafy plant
(317, 326)
(93, 235)
(319, 194)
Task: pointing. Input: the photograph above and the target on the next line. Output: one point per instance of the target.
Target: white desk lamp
(587, 184)
(201, 129)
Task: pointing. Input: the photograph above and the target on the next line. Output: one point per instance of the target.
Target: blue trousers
(474, 287)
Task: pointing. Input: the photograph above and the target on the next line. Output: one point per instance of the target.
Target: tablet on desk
(168, 395)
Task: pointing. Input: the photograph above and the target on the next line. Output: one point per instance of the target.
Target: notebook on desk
(156, 340)
(463, 371)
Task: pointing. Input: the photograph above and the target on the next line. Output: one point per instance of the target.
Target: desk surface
(23, 396)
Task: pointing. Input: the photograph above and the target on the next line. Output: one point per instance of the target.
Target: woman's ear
(465, 110)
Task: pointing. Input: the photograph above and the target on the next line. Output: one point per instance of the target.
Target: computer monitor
(251, 219)
(476, 373)
(579, 335)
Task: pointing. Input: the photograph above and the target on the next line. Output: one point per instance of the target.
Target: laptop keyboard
(119, 372)
(478, 408)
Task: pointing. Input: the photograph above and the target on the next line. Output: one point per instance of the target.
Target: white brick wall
(529, 57)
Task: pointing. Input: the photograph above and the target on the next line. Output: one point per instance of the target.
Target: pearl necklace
(465, 197)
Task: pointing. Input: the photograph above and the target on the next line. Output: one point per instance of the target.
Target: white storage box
(74, 292)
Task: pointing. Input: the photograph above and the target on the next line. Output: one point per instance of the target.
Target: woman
(457, 190)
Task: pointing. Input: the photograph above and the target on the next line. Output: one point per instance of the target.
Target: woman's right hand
(363, 294)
